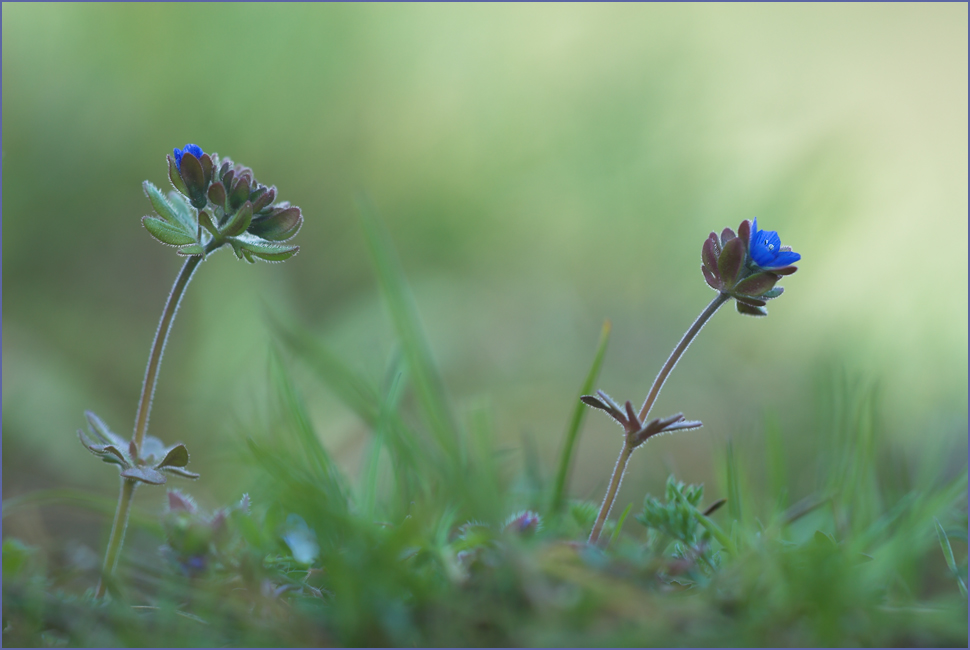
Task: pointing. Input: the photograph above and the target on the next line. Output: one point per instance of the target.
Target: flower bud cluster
(230, 205)
(747, 265)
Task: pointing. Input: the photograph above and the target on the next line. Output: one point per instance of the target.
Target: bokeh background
(540, 169)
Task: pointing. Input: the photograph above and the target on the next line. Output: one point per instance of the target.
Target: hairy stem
(117, 534)
(678, 351)
(658, 383)
(120, 523)
(158, 346)
(618, 471)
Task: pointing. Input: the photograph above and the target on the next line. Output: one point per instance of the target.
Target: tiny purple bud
(731, 261)
(526, 522)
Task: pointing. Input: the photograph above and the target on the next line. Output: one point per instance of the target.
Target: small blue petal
(786, 258)
(765, 249)
(193, 149)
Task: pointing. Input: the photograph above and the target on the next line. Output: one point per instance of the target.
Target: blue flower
(193, 149)
(766, 249)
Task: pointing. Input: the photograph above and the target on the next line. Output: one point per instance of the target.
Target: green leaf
(101, 430)
(116, 457)
(160, 203)
(238, 222)
(576, 420)
(206, 222)
(145, 475)
(191, 249)
(948, 556)
(236, 248)
(179, 471)
(167, 233)
(824, 539)
(177, 456)
(266, 251)
(184, 211)
(15, 557)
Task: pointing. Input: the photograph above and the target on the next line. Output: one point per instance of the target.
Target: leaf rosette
(148, 464)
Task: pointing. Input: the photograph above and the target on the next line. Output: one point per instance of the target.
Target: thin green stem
(120, 523)
(658, 383)
(678, 351)
(618, 471)
(117, 534)
(158, 346)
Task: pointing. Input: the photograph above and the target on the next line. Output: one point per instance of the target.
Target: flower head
(747, 265)
(766, 250)
(193, 149)
(230, 207)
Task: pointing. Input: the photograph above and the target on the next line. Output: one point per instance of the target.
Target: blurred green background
(540, 169)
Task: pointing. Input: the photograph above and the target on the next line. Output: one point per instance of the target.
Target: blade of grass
(352, 389)
(425, 376)
(948, 555)
(395, 389)
(576, 421)
(362, 398)
(733, 486)
(777, 469)
(294, 410)
(619, 524)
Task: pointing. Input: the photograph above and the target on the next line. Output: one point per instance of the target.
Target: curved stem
(658, 383)
(117, 533)
(678, 351)
(158, 347)
(120, 523)
(610, 497)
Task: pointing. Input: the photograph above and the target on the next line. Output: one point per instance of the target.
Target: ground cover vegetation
(446, 538)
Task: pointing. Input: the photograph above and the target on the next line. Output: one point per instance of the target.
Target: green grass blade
(388, 408)
(733, 485)
(425, 376)
(619, 524)
(352, 389)
(294, 410)
(948, 555)
(777, 470)
(576, 421)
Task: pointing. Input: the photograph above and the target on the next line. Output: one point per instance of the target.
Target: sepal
(280, 225)
(749, 310)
